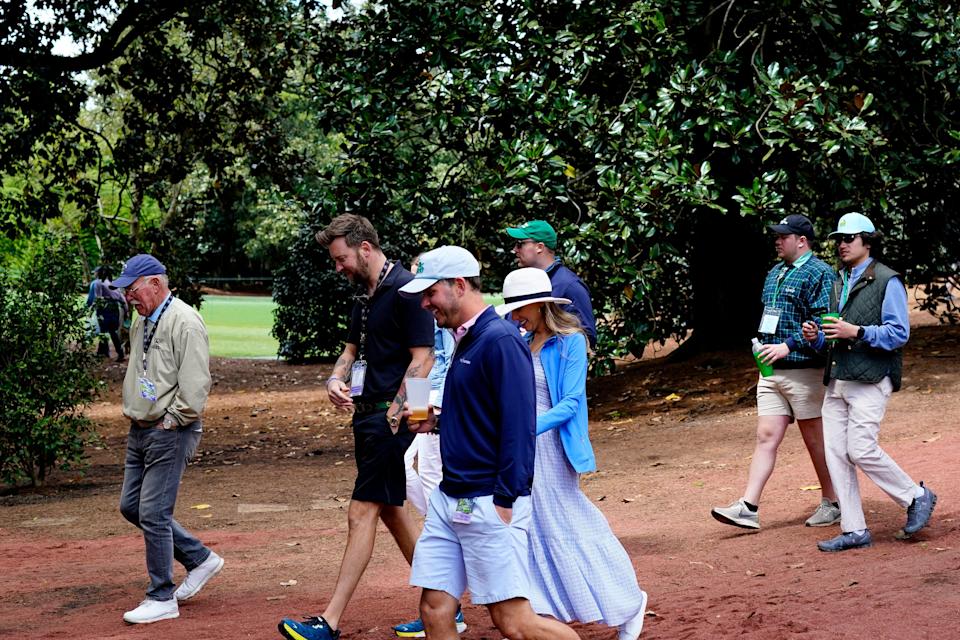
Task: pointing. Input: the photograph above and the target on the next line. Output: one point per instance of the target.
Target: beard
(447, 316)
(360, 275)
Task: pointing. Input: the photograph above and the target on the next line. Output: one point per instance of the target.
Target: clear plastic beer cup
(418, 398)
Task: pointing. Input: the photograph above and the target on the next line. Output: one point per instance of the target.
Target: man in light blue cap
(864, 364)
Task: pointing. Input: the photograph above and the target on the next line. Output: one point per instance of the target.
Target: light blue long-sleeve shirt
(443, 346)
(894, 328)
(564, 360)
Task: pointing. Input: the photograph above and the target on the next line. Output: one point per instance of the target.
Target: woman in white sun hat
(578, 569)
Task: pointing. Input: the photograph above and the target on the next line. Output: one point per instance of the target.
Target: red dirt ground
(71, 566)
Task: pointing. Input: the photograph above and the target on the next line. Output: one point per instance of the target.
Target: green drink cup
(828, 318)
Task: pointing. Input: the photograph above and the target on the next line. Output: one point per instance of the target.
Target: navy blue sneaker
(846, 541)
(415, 629)
(310, 629)
(919, 511)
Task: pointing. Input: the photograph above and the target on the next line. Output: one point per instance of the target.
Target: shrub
(46, 366)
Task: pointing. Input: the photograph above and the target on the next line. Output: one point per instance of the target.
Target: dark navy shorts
(379, 454)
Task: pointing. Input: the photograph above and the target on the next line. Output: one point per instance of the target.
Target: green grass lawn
(239, 326)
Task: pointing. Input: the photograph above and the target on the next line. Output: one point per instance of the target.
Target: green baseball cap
(536, 230)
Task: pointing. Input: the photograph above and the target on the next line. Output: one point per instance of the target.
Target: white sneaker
(738, 515)
(630, 630)
(195, 580)
(152, 611)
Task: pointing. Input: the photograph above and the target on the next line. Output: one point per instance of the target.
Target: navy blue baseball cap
(795, 224)
(138, 266)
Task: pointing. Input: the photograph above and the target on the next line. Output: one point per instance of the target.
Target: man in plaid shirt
(797, 289)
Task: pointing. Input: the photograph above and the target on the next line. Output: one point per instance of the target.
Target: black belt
(362, 408)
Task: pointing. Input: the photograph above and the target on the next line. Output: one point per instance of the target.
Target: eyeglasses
(847, 238)
(127, 292)
(520, 243)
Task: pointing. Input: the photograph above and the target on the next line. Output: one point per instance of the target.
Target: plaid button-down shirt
(801, 292)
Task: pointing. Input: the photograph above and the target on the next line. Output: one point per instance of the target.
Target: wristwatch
(861, 332)
(394, 421)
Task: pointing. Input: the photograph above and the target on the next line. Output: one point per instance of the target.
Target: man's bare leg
(770, 430)
(812, 432)
(516, 620)
(361, 532)
(401, 526)
(437, 610)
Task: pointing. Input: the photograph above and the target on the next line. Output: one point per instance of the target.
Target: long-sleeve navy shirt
(566, 284)
(489, 414)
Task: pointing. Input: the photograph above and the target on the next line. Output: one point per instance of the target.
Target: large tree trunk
(727, 268)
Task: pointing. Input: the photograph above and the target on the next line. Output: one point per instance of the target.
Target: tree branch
(135, 20)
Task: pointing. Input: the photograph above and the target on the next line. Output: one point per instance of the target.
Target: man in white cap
(864, 364)
(475, 535)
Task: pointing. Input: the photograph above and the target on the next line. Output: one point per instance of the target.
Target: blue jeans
(155, 462)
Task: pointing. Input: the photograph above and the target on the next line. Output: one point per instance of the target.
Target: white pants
(424, 479)
(852, 412)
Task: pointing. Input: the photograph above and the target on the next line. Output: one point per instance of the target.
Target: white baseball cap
(853, 223)
(441, 264)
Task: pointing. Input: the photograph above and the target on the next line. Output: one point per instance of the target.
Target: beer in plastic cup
(419, 414)
(418, 398)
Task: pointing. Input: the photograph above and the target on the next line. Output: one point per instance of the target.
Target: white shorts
(486, 555)
(797, 393)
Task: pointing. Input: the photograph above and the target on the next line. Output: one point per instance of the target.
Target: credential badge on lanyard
(358, 372)
(770, 320)
(464, 510)
(357, 375)
(148, 390)
(771, 314)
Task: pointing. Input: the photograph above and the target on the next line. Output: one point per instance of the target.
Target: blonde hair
(562, 322)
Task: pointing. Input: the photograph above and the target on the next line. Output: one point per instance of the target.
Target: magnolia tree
(659, 140)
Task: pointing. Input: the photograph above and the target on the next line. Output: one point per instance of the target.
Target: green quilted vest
(854, 359)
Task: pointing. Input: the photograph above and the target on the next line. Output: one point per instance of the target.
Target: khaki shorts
(797, 393)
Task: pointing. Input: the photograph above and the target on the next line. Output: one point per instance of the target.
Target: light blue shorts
(485, 556)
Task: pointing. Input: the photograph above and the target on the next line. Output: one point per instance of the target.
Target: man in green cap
(535, 246)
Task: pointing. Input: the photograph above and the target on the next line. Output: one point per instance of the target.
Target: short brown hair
(473, 282)
(352, 228)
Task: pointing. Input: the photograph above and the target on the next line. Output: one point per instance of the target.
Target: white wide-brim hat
(526, 286)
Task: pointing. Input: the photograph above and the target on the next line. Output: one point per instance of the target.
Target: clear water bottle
(765, 369)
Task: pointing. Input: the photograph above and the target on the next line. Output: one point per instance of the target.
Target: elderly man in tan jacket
(164, 393)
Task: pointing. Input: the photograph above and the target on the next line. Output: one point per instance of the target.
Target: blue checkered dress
(578, 568)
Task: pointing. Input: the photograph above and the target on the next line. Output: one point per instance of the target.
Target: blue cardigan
(564, 359)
